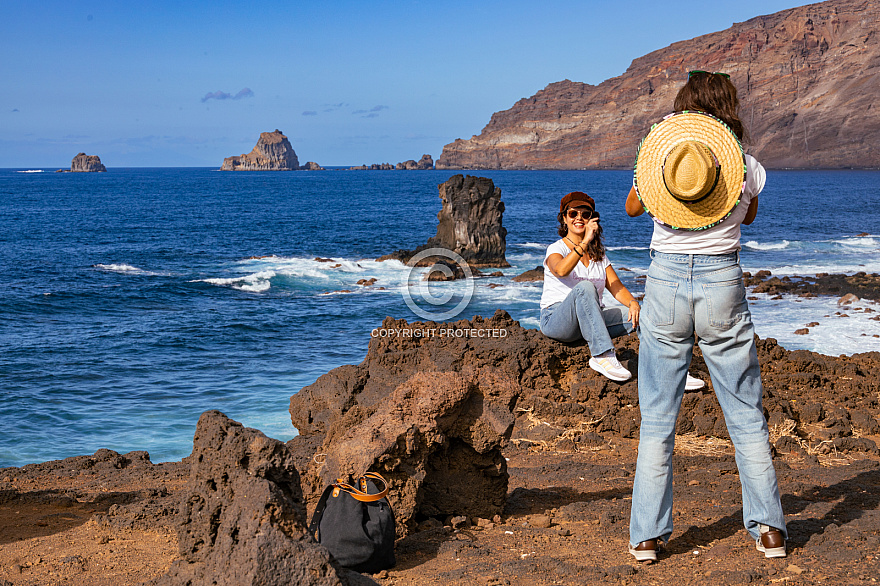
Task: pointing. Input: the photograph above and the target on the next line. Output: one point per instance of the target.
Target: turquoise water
(136, 299)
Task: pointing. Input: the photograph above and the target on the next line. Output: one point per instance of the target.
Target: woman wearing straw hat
(698, 186)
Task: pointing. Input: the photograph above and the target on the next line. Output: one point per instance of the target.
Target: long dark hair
(714, 94)
(595, 249)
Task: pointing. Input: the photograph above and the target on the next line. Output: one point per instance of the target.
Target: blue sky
(189, 83)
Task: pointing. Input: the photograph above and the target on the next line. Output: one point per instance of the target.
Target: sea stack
(83, 163)
(272, 153)
(470, 224)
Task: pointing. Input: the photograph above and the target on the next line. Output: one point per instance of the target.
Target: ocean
(136, 299)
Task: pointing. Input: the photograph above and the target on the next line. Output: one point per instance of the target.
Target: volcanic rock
(860, 285)
(242, 519)
(425, 163)
(848, 299)
(445, 271)
(535, 274)
(83, 163)
(272, 153)
(373, 167)
(557, 389)
(312, 166)
(469, 224)
(436, 438)
(804, 77)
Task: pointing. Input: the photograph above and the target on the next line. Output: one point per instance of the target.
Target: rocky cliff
(272, 153)
(83, 163)
(807, 78)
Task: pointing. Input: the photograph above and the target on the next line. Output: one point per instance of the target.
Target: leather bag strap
(362, 495)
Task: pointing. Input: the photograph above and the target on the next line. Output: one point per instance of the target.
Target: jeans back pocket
(659, 301)
(726, 302)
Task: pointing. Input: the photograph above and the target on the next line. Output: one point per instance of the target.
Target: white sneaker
(610, 367)
(692, 383)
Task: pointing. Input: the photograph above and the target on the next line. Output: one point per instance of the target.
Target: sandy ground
(566, 522)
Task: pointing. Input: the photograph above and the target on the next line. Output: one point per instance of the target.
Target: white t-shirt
(556, 289)
(719, 239)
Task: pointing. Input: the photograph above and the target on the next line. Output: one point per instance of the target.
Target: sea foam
(767, 245)
(118, 268)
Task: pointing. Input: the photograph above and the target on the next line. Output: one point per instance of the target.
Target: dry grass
(824, 451)
(570, 433)
(786, 428)
(691, 444)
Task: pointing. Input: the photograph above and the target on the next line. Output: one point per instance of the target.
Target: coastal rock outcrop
(470, 224)
(312, 166)
(819, 402)
(849, 288)
(535, 274)
(242, 519)
(805, 79)
(436, 438)
(373, 167)
(83, 163)
(273, 152)
(425, 163)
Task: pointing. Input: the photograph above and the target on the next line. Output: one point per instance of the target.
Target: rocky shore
(510, 463)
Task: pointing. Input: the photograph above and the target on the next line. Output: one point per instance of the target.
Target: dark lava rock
(847, 288)
(470, 224)
(272, 152)
(242, 518)
(436, 438)
(445, 271)
(535, 274)
(83, 163)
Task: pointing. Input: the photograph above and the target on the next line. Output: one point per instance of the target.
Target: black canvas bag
(356, 524)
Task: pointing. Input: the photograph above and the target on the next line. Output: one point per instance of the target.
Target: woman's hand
(634, 309)
(589, 232)
(622, 294)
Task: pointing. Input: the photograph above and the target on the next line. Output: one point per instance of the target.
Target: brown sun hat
(576, 199)
(690, 171)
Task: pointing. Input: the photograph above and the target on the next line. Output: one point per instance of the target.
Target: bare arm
(622, 294)
(753, 211)
(633, 205)
(560, 265)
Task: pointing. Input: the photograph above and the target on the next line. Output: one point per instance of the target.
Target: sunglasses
(695, 71)
(585, 214)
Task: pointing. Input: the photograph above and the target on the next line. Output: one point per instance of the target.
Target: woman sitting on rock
(576, 273)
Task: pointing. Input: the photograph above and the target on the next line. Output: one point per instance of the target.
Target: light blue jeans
(702, 294)
(579, 315)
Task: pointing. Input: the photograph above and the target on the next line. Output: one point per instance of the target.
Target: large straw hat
(690, 171)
